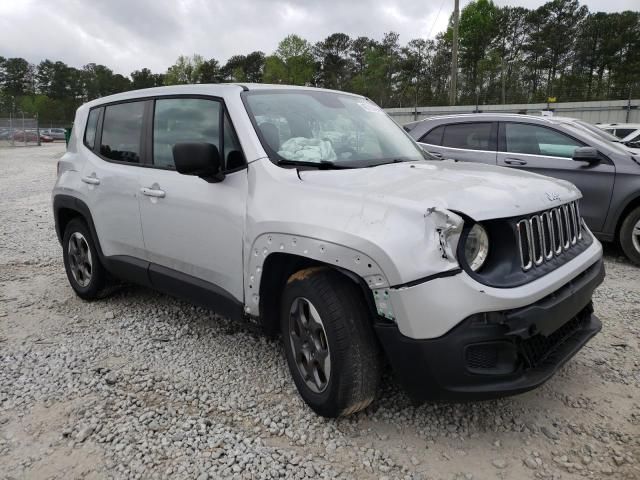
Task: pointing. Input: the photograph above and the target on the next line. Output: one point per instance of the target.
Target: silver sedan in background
(607, 173)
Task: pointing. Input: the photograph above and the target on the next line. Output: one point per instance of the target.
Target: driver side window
(182, 120)
(538, 140)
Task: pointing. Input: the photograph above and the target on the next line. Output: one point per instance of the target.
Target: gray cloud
(130, 34)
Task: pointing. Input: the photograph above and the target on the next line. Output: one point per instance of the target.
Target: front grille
(550, 233)
(536, 349)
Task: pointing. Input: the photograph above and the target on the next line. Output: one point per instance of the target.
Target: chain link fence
(20, 132)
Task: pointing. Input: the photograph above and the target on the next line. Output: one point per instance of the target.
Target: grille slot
(547, 237)
(548, 234)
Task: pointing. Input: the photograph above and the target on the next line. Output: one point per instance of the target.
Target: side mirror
(198, 159)
(586, 154)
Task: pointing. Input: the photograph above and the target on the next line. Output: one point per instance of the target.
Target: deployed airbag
(307, 150)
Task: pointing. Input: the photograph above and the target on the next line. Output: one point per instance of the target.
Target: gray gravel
(139, 385)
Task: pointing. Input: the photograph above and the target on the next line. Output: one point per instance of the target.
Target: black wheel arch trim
(630, 203)
(70, 202)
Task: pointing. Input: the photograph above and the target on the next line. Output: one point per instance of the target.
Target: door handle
(152, 192)
(91, 180)
(515, 161)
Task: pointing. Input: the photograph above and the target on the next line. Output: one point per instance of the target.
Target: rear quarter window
(92, 126)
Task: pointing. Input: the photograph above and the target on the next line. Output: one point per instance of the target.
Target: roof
(216, 89)
(492, 115)
(618, 125)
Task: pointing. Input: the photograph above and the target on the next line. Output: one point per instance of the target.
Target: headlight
(476, 247)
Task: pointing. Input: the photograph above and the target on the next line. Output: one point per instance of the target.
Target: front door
(549, 152)
(191, 226)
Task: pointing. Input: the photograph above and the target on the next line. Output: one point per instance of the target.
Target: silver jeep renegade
(313, 215)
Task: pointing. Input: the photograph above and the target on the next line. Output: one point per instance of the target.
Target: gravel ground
(140, 385)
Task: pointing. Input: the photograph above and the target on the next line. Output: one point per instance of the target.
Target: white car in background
(628, 133)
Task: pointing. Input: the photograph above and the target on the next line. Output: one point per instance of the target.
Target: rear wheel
(86, 274)
(630, 235)
(329, 343)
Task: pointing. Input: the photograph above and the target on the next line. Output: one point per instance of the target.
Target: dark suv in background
(607, 173)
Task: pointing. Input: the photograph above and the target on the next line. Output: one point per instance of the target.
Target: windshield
(327, 129)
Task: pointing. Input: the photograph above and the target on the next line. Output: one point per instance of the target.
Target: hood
(480, 191)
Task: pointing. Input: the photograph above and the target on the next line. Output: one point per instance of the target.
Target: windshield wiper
(393, 160)
(321, 165)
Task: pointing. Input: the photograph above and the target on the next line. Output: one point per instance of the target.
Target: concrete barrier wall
(611, 111)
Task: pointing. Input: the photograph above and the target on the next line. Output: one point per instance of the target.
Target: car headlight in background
(476, 247)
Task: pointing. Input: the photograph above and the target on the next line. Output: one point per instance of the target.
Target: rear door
(467, 141)
(113, 137)
(548, 151)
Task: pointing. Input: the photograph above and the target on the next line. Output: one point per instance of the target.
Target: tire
(630, 235)
(344, 335)
(87, 278)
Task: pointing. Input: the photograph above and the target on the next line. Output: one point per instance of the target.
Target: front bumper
(497, 353)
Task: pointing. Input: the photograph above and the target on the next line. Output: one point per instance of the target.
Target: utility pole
(454, 53)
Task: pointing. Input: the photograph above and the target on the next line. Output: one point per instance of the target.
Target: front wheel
(630, 236)
(329, 343)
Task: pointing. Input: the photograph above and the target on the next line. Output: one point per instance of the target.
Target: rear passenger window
(92, 126)
(470, 136)
(121, 132)
(182, 120)
(434, 137)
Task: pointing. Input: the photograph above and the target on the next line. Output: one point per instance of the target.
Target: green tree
(185, 70)
(292, 62)
(561, 22)
(144, 78)
(511, 35)
(18, 77)
(477, 30)
(100, 81)
(210, 72)
(334, 62)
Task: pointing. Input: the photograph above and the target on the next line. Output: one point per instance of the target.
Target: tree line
(507, 54)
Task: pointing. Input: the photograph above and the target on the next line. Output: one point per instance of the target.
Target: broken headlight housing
(476, 247)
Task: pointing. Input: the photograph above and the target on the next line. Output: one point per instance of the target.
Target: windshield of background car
(597, 131)
(313, 127)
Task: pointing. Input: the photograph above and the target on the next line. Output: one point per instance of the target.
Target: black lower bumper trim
(499, 353)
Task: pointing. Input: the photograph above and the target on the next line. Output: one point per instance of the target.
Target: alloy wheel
(309, 344)
(80, 261)
(635, 236)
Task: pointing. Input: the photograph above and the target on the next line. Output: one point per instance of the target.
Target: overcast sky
(127, 35)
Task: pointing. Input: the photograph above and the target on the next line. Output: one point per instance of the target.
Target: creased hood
(479, 191)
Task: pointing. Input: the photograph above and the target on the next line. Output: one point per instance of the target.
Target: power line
(436, 20)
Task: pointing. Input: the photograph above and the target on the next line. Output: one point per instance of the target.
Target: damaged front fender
(447, 228)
